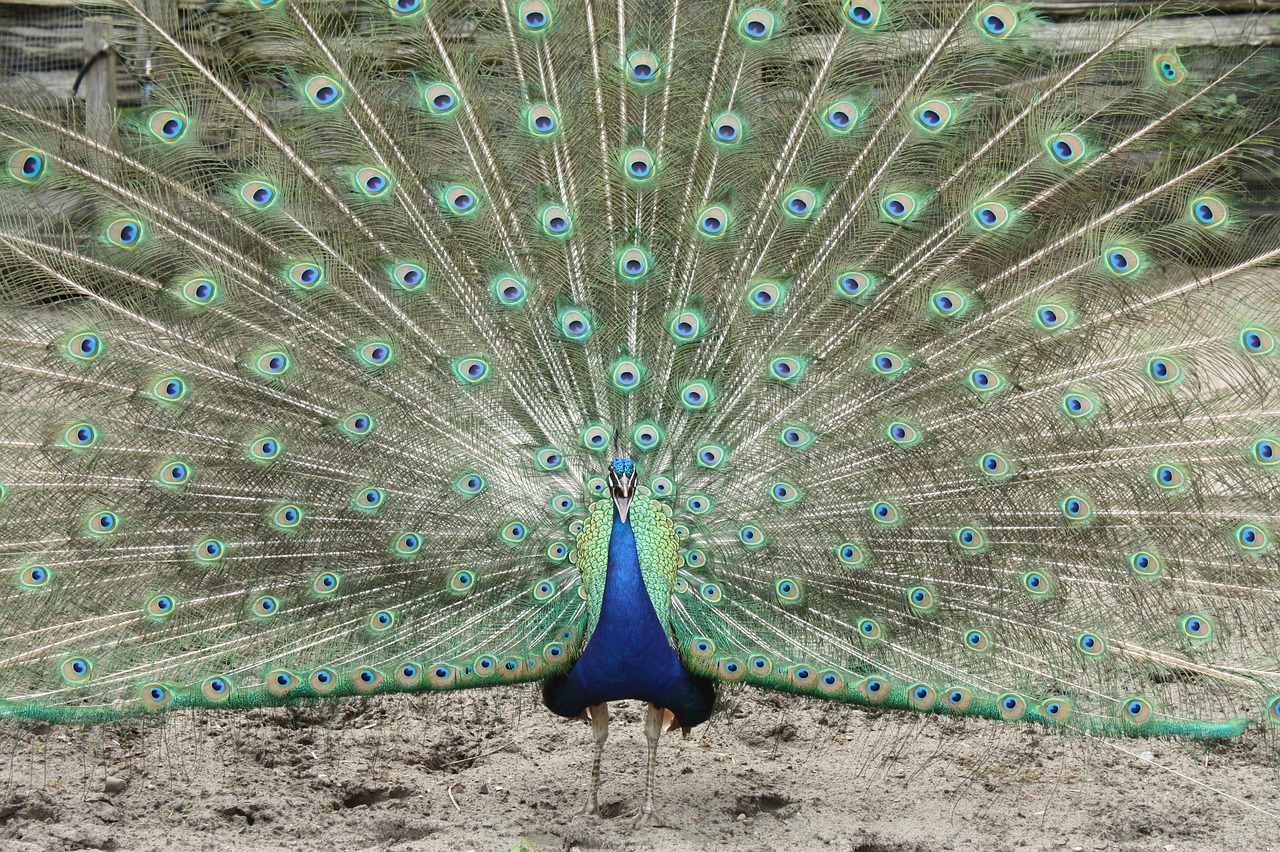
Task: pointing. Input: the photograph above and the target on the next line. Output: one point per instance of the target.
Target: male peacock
(898, 354)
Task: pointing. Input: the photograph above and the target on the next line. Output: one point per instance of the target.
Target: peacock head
(622, 483)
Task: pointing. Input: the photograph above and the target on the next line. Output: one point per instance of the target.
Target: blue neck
(628, 654)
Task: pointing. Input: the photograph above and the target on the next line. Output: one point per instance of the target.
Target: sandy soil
(495, 771)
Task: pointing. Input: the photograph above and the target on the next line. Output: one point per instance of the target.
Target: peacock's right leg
(598, 717)
(652, 731)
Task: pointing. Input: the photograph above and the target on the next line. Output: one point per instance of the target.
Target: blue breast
(628, 655)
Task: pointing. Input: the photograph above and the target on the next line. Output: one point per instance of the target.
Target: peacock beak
(623, 488)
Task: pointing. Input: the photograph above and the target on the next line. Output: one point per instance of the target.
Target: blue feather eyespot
(663, 486)
(948, 303)
(800, 204)
(731, 670)
(784, 493)
(698, 504)
(849, 554)
(1036, 584)
(976, 640)
(957, 699)
(756, 25)
(1273, 710)
(322, 680)
(408, 544)
(323, 91)
(485, 666)
(1122, 260)
(1065, 148)
(884, 512)
(273, 363)
(1056, 709)
(441, 98)
(471, 371)
(920, 696)
(1011, 706)
(557, 551)
(681, 586)
(637, 165)
(642, 68)
(1168, 69)
(596, 437)
(279, 682)
(1145, 565)
(626, 375)
(802, 677)
(1265, 452)
(511, 669)
(990, 215)
(685, 326)
(869, 628)
(713, 222)
(372, 182)
(1052, 317)
(597, 486)
(174, 473)
(305, 275)
(902, 434)
(216, 689)
(542, 121)
(35, 577)
(1208, 211)
(766, 297)
(932, 115)
(408, 675)
(710, 592)
(888, 363)
(711, 456)
(1257, 341)
(376, 354)
(367, 680)
(544, 590)
(997, 20)
(510, 291)
(85, 346)
(898, 206)
(461, 200)
(103, 523)
(971, 539)
(28, 165)
(462, 582)
(1078, 406)
(405, 8)
(787, 369)
(695, 558)
(563, 504)
(469, 484)
(751, 536)
(326, 583)
(1076, 509)
(534, 16)
(647, 436)
(265, 449)
(125, 233)
(574, 324)
(874, 689)
(760, 666)
(80, 436)
(702, 648)
(258, 194)
(209, 550)
(853, 285)
(368, 499)
(1163, 370)
(1169, 477)
(921, 600)
(985, 381)
(726, 129)
(1252, 538)
(840, 118)
(995, 466)
(169, 389)
(160, 606)
(167, 125)
(1135, 711)
(287, 517)
(514, 532)
(797, 437)
(633, 263)
(863, 14)
(265, 606)
(696, 396)
(260, 5)
(357, 424)
(155, 696)
(199, 291)
(556, 221)
(1091, 645)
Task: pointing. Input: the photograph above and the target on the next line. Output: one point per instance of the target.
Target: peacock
(917, 356)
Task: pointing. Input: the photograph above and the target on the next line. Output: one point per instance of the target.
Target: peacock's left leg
(652, 730)
(598, 717)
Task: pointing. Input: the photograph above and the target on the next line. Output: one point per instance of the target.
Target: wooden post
(99, 83)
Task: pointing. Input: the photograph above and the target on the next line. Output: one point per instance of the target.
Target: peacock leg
(598, 716)
(652, 730)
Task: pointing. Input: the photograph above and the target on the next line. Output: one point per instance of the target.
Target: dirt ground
(495, 771)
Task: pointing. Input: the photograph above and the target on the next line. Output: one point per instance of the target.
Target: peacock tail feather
(945, 352)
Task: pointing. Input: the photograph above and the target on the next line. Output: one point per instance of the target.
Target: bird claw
(648, 817)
